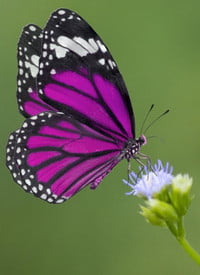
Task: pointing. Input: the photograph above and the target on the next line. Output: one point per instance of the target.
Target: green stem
(189, 249)
(180, 227)
(179, 232)
(172, 228)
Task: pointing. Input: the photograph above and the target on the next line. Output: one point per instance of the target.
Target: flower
(150, 182)
(167, 197)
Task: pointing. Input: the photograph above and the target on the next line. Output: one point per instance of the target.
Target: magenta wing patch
(96, 100)
(55, 156)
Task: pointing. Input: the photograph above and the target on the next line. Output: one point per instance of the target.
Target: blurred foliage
(157, 47)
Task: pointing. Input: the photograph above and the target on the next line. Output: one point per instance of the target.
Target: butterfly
(79, 119)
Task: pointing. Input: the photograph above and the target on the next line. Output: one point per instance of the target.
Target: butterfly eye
(142, 140)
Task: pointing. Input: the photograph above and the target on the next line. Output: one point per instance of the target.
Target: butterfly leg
(140, 157)
(141, 168)
(147, 158)
(129, 167)
(128, 170)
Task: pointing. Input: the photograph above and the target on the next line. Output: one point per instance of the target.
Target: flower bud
(151, 217)
(163, 210)
(180, 193)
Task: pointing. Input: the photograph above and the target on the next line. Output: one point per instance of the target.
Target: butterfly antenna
(160, 139)
(145, 119)
(151, 137)
(164, 113)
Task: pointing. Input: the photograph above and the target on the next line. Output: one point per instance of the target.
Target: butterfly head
(142, 140)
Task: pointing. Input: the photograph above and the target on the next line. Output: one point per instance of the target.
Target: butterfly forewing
(78, 75)
(29, 51)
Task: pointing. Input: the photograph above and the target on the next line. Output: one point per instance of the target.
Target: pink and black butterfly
(80, 122)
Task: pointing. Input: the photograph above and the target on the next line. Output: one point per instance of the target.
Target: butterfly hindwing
(29, 51)
(10, 160)
(78, 75)
(54, 156)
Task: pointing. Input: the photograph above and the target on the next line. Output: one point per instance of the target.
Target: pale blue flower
(150, 181)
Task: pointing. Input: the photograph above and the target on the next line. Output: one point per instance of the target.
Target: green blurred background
(157, 47)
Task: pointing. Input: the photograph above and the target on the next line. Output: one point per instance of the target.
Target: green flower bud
(180, 193)
(163, 210)
(151, 217)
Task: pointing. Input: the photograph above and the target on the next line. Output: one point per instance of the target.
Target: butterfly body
(133, 147)
(79, 119)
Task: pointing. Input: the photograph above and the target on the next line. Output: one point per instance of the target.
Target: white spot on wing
(50, 200)
(90, 46)
(32, 28)
(70, 44)
(33, 65)
(35, 59)
(93, 44)
(61, 12)
(28, 182)
(18, 150)
(110, 63)
(52, 71)
(102, 61)
(101, 46)
(23, 172)
(43, 196)
(40, 187)
(21, 71)
(60, 51)
(34, 189)
(60, 201)
(44, 54)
